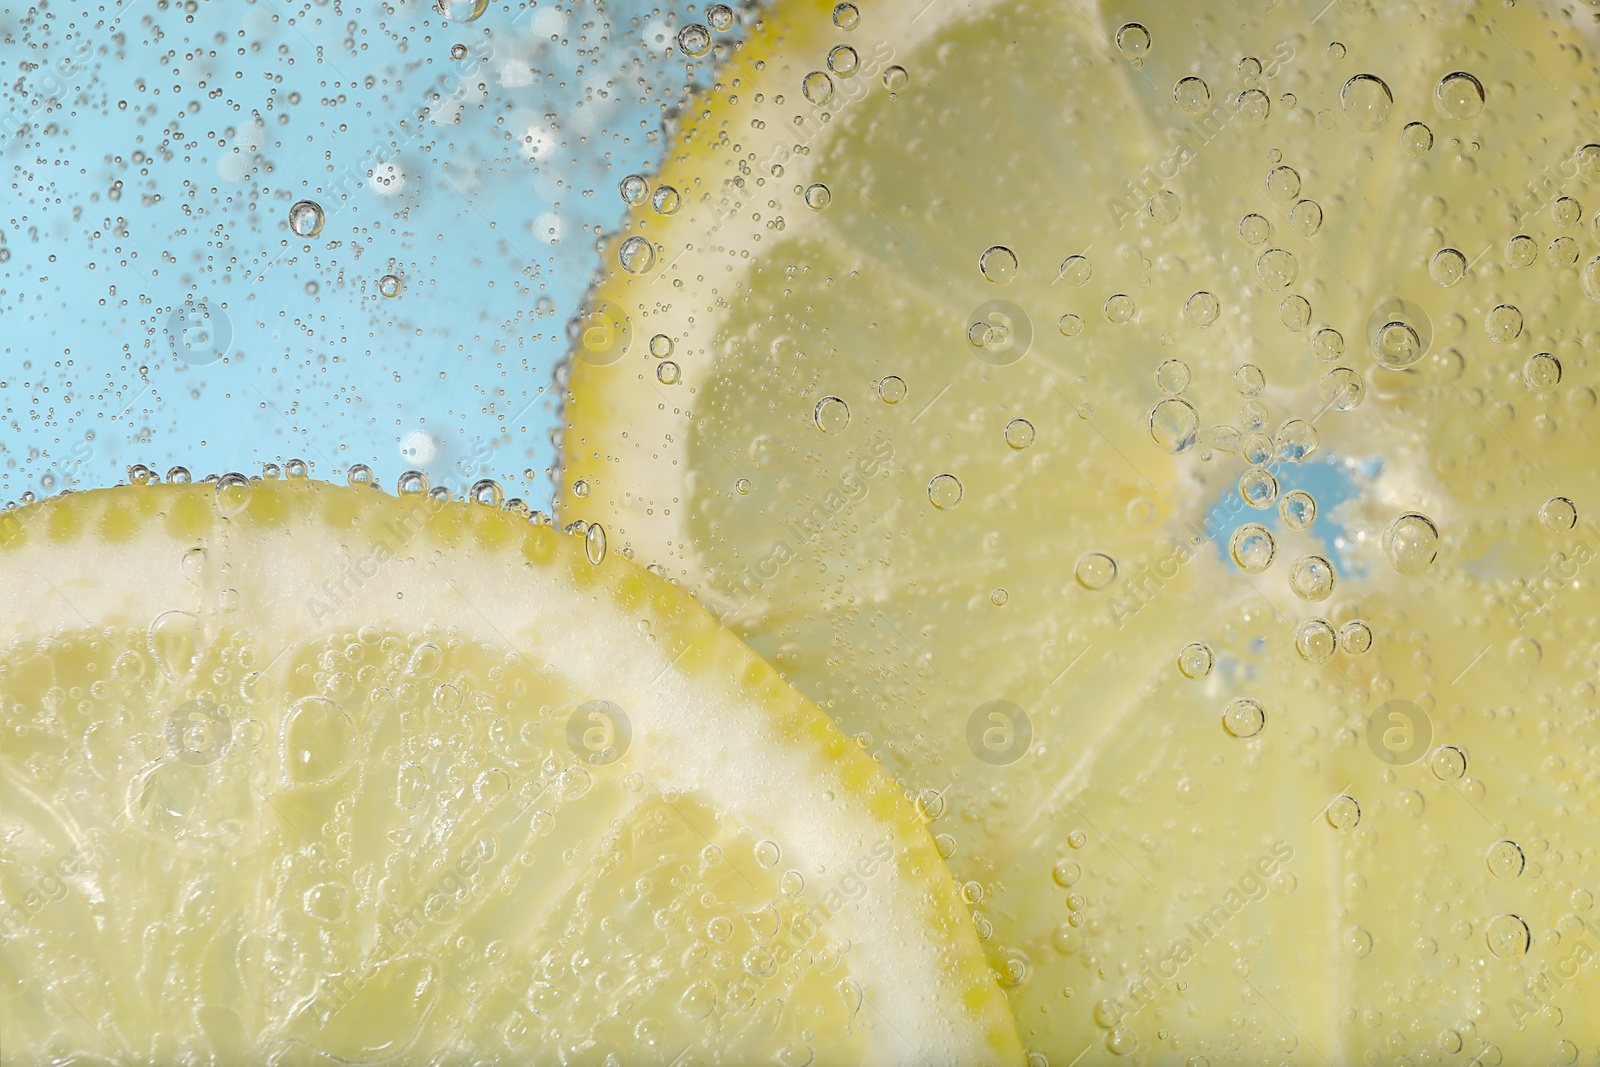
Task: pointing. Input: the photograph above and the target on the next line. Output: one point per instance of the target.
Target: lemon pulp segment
(1166, 439)
(304, 773)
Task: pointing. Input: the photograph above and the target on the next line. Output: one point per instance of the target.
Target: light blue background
(153, 164)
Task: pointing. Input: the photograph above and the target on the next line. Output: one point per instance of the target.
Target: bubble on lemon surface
(1447, 267)
(1521, 251)
(1164, 206)
(634, 189)
(1252, 547)
(1542, 372)
(1398, 345)
(1075, 270)
(1342, 389)
(636, 255)
(944, 491)
(1120, 309)
(1133, 40)
(1172, 376)
(306, 218)
(1343, 813)
(666, 200)
(1367, 102)
(846, 15)
(1296, 441)
(1019, 433)
(1258, 487)
(1411, 542)
(892, 389)
(1253, 107)
(998, 264)
(319, 741)
(1276, 268)
(1305, 218)
(1459, 95)
(1355, 637)
(1283, 183)
(998, 597)
(1095, 570)
(1508, 936)
(1298, 509)
(1503, 323)
(694, 40)
(1416, 138)
(817, 87)
(1312, 577)
(1192, 95)
(1195, 660)
(843, 60)
(1243, 717)
(1254, 229)
(1174, 425)
(818, 196)
(1448, 763)
(1070, 325)
(1327, 344)
(895, 78)
(831, 414)
(1202, 309)
(1559, 514)
(1315, 640)
(1506, 860)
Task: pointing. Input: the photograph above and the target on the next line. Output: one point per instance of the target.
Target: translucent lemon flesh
(306, 774)
(1148, 433)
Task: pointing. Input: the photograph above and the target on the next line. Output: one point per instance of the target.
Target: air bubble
(1312, 577)
(1411, 542)
(1459, 95)
(1243, 717)
(1195, 660)
(831, 414)
(1367, 102)
(1095, 570)
(998, 264)
(306, 218)
(1298, 509)
(944, 491)
(694, 40)
(1558, 514)
(1252, 547)
(1174, 425)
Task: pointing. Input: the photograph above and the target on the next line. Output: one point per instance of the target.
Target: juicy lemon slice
(304, 773)
(1166, 439)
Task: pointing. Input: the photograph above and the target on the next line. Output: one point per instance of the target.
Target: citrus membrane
(1151, 434)
(305, 773)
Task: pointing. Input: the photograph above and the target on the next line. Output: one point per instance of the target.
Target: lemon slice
(1152, 435)
(304, 773)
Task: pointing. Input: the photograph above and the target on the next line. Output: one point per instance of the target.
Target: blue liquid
(158, 309)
